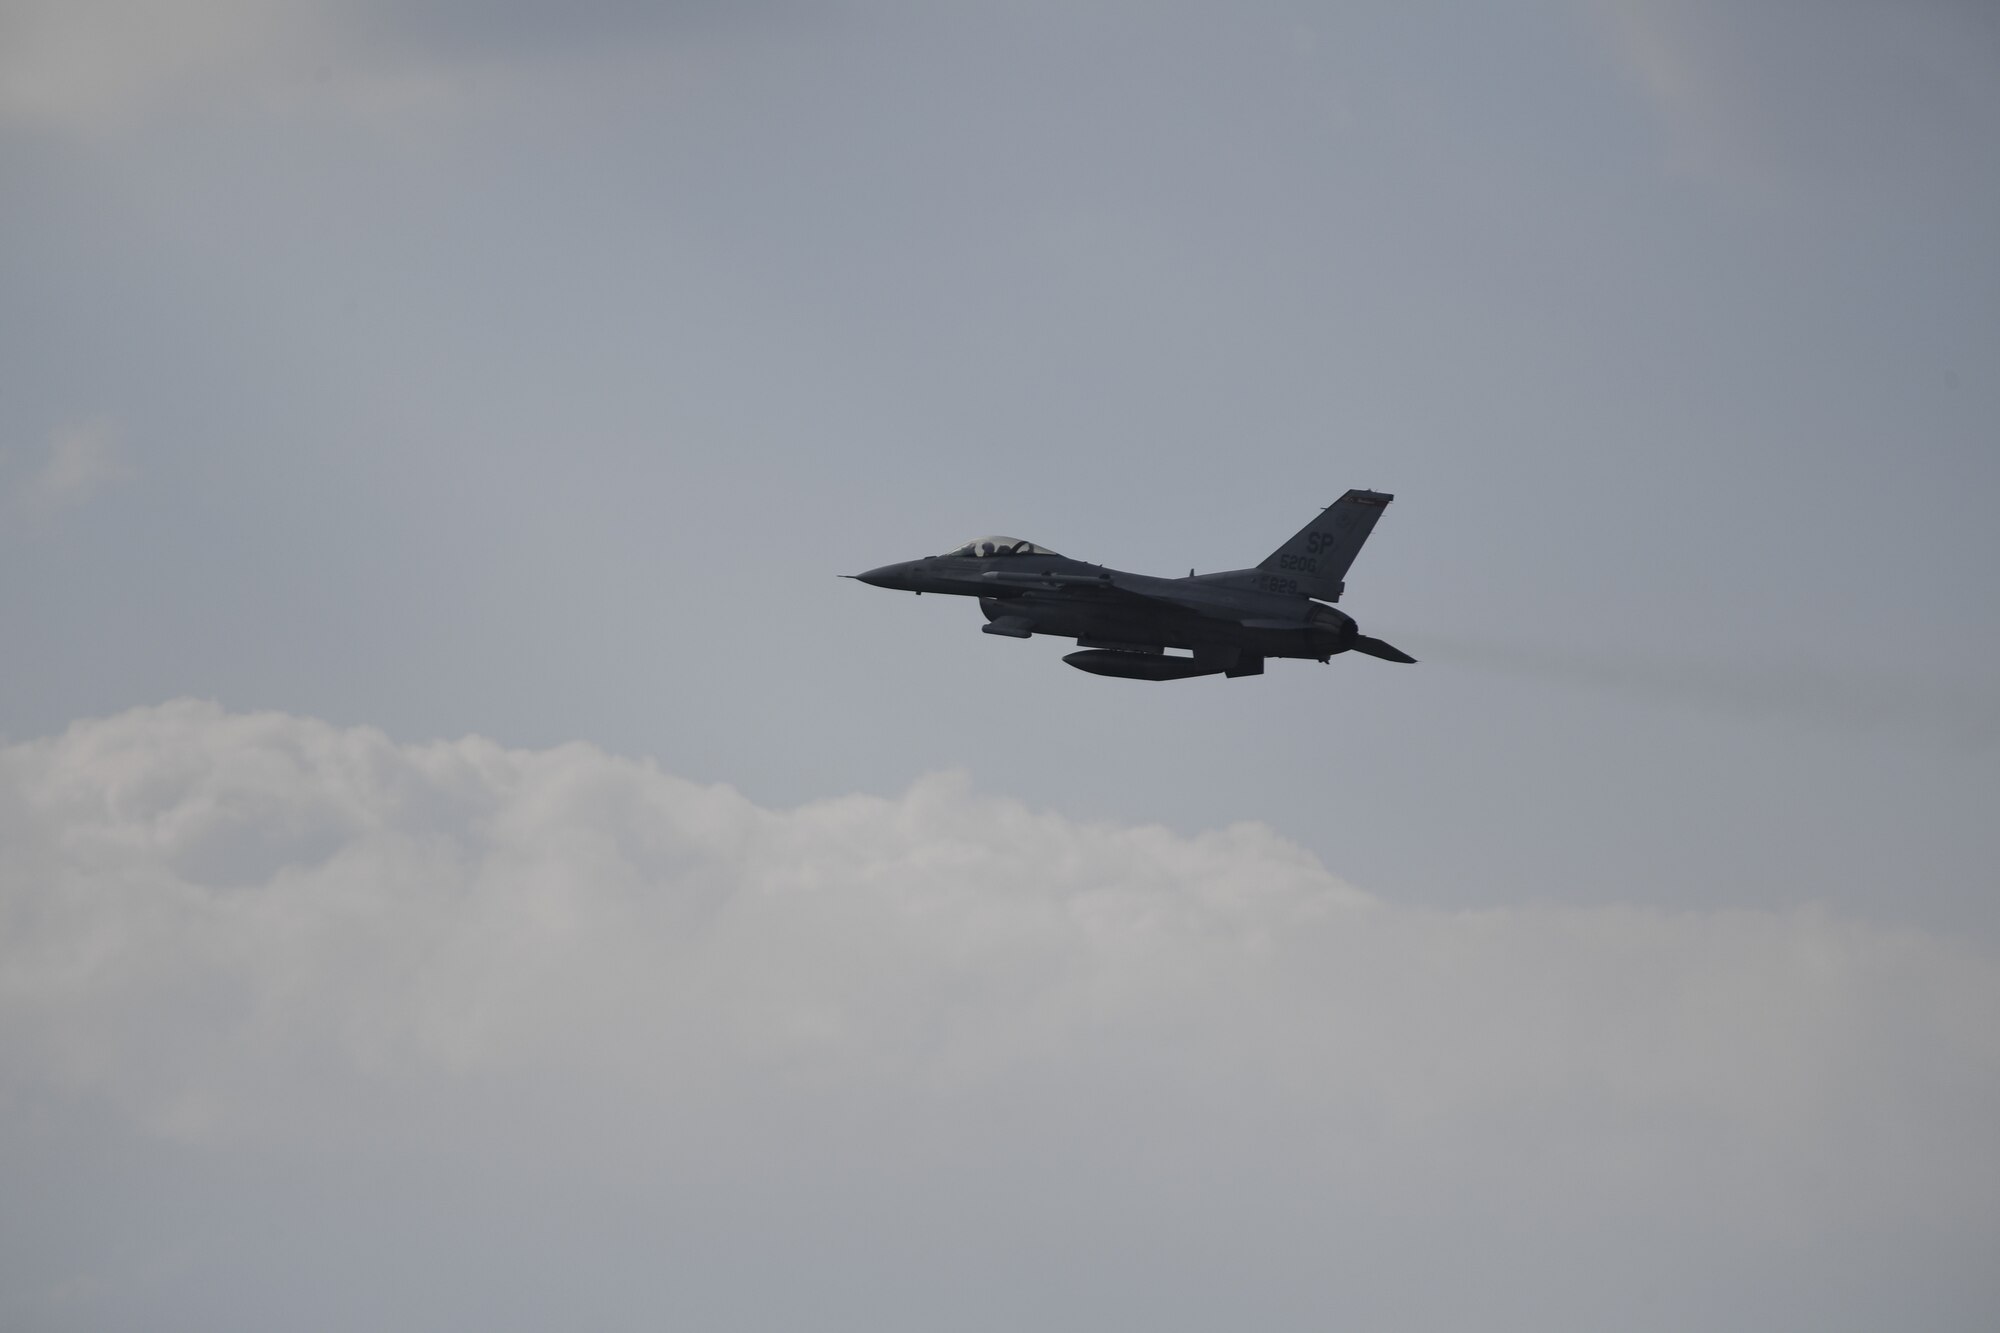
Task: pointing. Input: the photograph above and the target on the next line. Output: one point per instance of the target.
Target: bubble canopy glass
(982, 547)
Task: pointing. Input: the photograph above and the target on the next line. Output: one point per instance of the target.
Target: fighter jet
(1124, 623)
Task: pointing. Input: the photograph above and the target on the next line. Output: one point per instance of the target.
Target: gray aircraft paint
(1229, 621)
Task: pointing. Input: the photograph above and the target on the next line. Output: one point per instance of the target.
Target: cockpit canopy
(981, 548)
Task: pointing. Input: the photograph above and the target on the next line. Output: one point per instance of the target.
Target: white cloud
(935, 1040)
(83, 459)
(94, 63)
(100, 66)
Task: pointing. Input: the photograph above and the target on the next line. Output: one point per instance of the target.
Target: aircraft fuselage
(1229, 621)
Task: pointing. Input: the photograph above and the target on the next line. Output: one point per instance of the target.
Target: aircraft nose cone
(886, 576)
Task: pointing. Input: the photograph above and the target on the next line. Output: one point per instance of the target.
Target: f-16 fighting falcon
(1124, 623)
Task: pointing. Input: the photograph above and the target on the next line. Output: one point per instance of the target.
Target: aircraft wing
(1013, 580)
(1108, 583)
(1203, 598)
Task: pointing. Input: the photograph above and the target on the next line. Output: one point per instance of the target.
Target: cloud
(898, 1055)
(1867, 99)
(92, 64)
(99, 66)
(83, 459)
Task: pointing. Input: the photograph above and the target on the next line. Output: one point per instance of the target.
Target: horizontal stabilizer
(1388, 652)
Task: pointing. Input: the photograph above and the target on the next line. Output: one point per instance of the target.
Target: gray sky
(409, 372)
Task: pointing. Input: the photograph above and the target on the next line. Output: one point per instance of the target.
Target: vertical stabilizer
(1319, 556)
